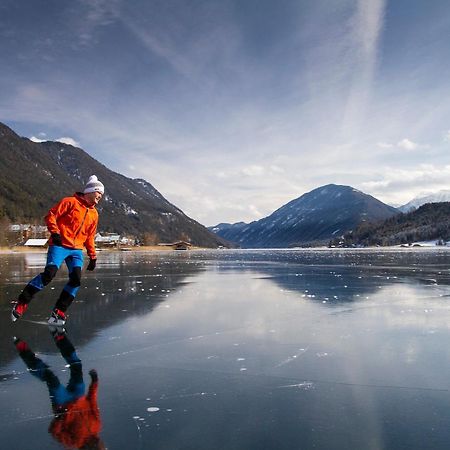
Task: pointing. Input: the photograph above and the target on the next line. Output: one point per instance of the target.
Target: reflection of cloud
(408, 310)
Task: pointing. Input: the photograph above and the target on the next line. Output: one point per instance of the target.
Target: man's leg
(74, 263)
(55, 257)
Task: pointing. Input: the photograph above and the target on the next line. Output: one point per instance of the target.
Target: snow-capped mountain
(315, 217)
(416, 202)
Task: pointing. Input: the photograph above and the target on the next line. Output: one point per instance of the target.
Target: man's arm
(54, 213)
(90, 243)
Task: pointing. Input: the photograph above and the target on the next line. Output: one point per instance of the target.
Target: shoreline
(156, 248)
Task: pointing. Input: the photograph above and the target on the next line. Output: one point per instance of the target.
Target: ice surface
(243, 349)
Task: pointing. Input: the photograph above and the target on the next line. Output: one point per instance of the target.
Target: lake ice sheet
(242, 350)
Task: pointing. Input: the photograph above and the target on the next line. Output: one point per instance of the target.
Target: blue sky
(233, 108)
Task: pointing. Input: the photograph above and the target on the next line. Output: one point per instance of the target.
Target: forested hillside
(429, 222)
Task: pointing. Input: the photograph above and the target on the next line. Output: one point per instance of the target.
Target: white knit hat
(93, 185)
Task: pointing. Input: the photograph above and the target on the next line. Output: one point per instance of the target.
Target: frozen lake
(239, 350)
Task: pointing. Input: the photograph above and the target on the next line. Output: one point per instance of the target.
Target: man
(72, 224)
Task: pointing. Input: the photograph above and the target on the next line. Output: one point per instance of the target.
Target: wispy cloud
(384, 145)
(253, 171)
(404, 144)
(447, 136)
(192, 52)
(95, 14)
(363, 53)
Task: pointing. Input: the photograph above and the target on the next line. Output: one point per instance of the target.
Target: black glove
(56, 239)
(93, 374)
(91, 265)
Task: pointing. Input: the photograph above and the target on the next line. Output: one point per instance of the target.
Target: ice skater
(77, 422)
(72, 224)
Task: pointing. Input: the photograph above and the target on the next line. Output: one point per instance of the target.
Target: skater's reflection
(77, 418)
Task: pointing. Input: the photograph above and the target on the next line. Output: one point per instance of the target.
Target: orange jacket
(79, 422)
(75, 221)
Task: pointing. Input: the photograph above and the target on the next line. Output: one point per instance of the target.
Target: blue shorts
(56, 255)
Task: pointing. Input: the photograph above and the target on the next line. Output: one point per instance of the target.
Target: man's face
(93, 198)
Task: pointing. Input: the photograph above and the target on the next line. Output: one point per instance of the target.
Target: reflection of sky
(35, 260)
(271, 325)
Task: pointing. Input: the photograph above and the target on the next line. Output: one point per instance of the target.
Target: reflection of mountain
(123, 285)
(332, 285)
(335, 276)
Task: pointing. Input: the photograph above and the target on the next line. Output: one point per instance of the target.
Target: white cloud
(399, 185)
(35, 139)
(69, 141)
(63, 140)
(406, 144)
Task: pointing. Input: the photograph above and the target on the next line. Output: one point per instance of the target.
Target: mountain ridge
(34, 176)
(430, 221)
(313, 218)
(434, 197)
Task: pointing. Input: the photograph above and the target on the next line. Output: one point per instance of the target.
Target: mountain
(34, 176)
(430, 221)
(314, 218)
(436, 197)
(228, 229)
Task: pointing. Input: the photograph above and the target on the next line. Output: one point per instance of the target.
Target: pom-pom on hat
(93, 185)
